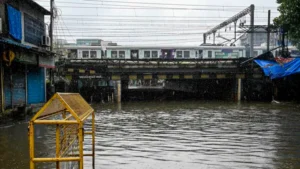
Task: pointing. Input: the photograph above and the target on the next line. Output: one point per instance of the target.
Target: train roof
(152, 47)
(162, 47)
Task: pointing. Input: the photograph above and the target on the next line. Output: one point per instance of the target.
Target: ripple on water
(154, 135)
(217, 135)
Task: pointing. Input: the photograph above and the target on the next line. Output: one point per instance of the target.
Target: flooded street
(178, 135)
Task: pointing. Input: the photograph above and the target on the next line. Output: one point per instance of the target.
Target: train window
(186, 54)
(147, 54)
(154, 54)
(122, 54)
(85, 54)
(93, 54)
(209, 54)
(179, 54)
(114, 54)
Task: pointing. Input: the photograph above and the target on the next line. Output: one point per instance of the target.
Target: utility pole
(252, 31)
(214, 38)
(235, 30)
(51, 75)
(51, 25)
(283, 41)
(204, 38)
(269, 30)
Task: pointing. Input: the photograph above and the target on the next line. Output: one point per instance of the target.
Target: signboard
(46, 61)
(26, 58)
(90, 77)
(226, 55)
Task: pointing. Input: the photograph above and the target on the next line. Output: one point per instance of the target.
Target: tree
(289, 19)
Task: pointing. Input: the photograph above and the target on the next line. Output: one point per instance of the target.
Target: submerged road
(186, 134)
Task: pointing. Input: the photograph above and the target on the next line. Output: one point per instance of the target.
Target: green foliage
(289, 19)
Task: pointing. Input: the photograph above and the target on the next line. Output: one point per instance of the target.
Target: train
(165, 52)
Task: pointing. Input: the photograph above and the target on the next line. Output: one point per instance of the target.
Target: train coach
(161, 52)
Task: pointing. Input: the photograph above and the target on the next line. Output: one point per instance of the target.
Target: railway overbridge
(185, 75)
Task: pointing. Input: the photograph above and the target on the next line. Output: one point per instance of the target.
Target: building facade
(25, 55)
(260, 39)
(89, 42)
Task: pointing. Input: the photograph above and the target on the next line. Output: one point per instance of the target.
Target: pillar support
(119, 92)
(239, 89)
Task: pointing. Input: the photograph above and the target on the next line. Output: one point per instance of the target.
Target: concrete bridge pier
(118, 91)
(239, 89)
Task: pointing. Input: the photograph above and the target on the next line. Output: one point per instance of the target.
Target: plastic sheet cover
(277, 70)
(14, 22)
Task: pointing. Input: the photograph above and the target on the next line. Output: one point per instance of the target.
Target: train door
(193, 54)
(134, 54)
(167, 53)
(108, 54)
(127, 54)
(200, 54)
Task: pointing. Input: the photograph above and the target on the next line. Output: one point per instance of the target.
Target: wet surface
(192, 134)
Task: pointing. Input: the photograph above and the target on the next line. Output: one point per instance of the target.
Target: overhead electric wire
(66, 27)
(151, 3)
(140, 35)
(94, 25)
(71, 20)
(156, 8)
(148, 16)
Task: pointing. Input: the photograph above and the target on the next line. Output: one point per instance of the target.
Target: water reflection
(178, 135)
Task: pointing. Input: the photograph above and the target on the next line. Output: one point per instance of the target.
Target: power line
(138, 36)
(151, 3)
(156, 8)
(66, 27)
(147, 16)
(141, 24)
(90, 20)
(145, 40)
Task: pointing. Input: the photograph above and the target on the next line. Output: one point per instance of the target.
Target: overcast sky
(141, 22)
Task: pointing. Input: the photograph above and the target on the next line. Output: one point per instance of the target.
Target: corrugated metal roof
(39, 7)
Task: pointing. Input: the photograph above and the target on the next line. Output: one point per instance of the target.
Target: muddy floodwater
(177, 135)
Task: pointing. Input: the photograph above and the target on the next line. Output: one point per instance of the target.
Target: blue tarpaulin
(275, 70)
(14, 22)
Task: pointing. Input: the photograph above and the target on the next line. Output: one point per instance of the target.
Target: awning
(14, 43)
(33, 49)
